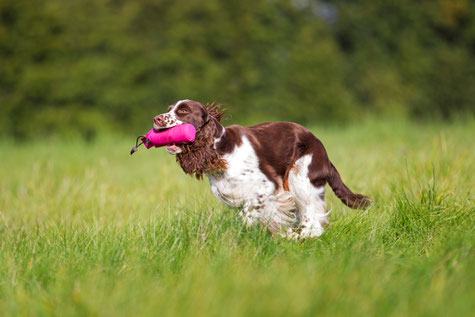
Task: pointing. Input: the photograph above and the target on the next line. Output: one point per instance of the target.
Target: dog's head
(184, 111)
(205, 119)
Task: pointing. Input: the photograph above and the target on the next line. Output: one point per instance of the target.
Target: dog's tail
(352, 200)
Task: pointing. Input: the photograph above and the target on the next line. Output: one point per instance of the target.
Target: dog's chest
(242, 182)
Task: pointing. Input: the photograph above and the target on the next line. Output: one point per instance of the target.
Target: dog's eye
(182, 111)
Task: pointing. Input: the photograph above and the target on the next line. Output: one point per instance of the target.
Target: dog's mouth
(173, 149)
(159, 129)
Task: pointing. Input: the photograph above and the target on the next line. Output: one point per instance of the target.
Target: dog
(275, 172)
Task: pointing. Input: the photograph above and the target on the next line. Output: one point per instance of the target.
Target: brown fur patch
(200, 157)
(214, 110)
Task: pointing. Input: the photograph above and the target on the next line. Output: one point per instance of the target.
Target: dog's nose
(159, 120)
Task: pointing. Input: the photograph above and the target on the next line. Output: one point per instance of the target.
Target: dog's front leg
(250, 215)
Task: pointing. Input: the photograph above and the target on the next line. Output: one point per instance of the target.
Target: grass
(87, 230)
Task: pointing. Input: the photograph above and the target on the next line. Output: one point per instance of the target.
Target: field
(88, 230)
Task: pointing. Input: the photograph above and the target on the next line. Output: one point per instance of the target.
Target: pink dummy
(180, 134)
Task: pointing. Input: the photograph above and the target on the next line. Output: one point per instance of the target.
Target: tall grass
(85, 229)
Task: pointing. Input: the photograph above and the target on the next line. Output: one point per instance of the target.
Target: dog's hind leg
(312, 209)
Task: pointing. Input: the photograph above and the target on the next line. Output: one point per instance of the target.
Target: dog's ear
(214, 109)
(218, 128)
(205, 114)
(214, 115)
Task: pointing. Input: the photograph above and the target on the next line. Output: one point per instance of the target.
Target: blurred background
(86, 67)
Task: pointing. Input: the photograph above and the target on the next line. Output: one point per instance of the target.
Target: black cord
(137, 144)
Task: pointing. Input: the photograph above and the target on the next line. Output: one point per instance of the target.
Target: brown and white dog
(276, 171)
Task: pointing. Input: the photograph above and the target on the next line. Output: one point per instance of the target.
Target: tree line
(87, 66)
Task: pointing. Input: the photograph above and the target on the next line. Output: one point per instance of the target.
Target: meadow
(88, 230)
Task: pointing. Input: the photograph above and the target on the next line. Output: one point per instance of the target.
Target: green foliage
(87, 230)
(88, 66)
(414, 56)
(425, 213)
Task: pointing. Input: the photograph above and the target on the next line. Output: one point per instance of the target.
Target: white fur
(170, 119)
(244, 185)
(309, 199)
(217, 140)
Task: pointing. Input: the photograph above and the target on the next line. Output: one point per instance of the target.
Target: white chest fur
(242, 184)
